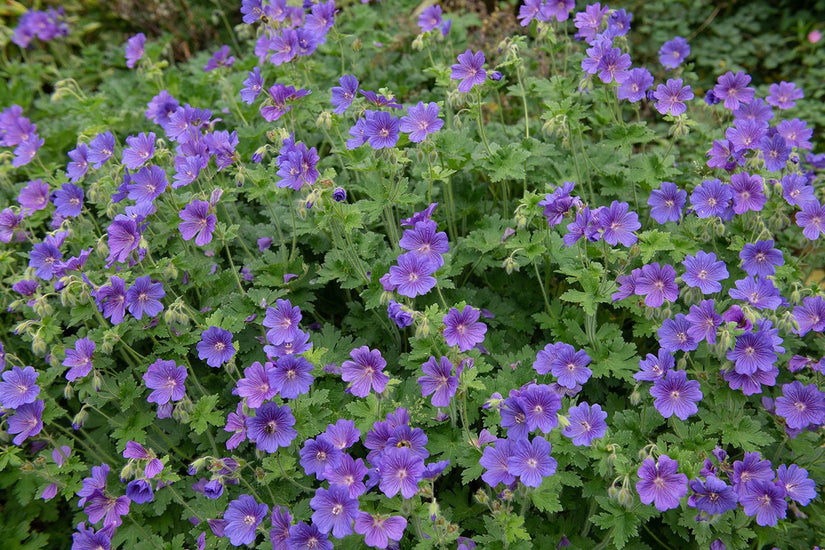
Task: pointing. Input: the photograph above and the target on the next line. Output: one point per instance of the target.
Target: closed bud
(170, 272)
(433, 509)
(260, 474)
(563, 420)
(68, 391)
(425, 491)
(169, 316)
(324, 120)
(102, 248)
(625, 497)
(126, 471)
(79, 419)
(507, 495)
(482, 497)
(422, 328)
(681, 363)
(38, 345)
(510, 264)
(356, 45)
(613, 493)
(635, 396)
(215, 196)
(521, 220)
(97, 381)
(452, 528)
(418, 43)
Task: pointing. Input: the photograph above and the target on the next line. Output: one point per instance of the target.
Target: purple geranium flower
(775, 152)
(703, 321)
(257, 385)
(134, 49)
(765, 500)
(761, 259)
(197, 222)
(293, 375)
(140, 149)
(101, 149)
(671, 97)
(758, 292)
(68, 200)
(26, 422)
(703, 271)
(748, 192)
(674, 334)
(810, 316)
(343, 95)
(282, 322)
(586, 423)
(746, 134)
(811, 219)
(540, 405)
(319, 454)
(666, 203)
(111, 299)
(712, 496)
(44, 258)
(712, 198)
(733, 89)
(167, 379)
(307, 537)
(675, 394)
(657, 284)
(400, 471)
(215, 346)
(654, 367)
(421, 121)
(463, 329)
(424, 240)
(242, 517)
(660, 483)
(18, 387)
(494, 460)
(439, 381)
(617, 224)
(334, 510)
(569, 366)
(123, 238)
(469, 70)
(784, 95)
(796, 483)
(379, 530)
(253, 85)
(413, 275)
(796, 190)
(381, 130)
(220, 58)
(753, 351)
(800, 405)
(271, 427)
(796, 133)
(79, 359)
(34, 196)
(633, 84)
(144, 296)
(365, 371)
(673, 52)
(140, 491)
(531, 462)
(147, 184)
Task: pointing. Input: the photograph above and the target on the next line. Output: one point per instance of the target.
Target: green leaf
(653, 241)
(204, 414)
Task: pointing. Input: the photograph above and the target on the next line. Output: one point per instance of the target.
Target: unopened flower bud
(79, 419)
(418, 43)
(68, 391)
(422, 328)
(324, 120)
(510, 264)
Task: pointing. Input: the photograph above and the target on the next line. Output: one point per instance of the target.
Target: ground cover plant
(402, 275)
